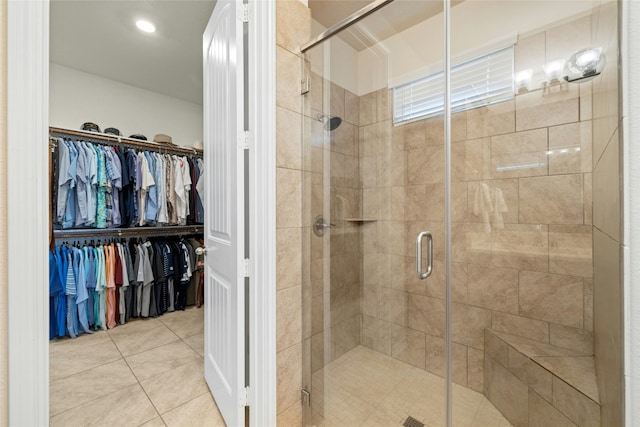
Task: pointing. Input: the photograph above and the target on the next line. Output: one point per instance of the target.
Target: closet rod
(129, 232)
(103, 138)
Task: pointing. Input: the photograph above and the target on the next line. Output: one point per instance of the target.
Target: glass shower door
(374, 180)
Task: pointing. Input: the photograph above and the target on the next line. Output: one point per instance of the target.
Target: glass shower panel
(522, 226)
(374, 333)
(534, 116)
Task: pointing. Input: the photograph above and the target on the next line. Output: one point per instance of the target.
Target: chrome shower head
(330, 123)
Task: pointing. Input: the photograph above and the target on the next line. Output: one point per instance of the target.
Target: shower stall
(461, 216)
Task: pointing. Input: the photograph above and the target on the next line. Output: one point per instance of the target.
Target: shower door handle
(424, 274)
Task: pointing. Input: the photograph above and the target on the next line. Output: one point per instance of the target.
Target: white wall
(76, 97)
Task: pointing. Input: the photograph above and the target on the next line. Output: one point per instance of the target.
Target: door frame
(28, 211)
(27, 98)
(262, 207)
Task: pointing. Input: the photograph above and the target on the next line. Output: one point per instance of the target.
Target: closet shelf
(109, 139)
(129, 232)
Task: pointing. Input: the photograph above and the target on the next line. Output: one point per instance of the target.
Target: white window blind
(480, 81)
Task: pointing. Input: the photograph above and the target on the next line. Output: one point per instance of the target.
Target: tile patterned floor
(366, 388)
(150, 373)
(145, 373)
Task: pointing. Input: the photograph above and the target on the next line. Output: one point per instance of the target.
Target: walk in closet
(126, 220)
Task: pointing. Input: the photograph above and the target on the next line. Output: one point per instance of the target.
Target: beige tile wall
(293, 23)
(522, 235)
(3, 217)
(607, 218)
(333, 317)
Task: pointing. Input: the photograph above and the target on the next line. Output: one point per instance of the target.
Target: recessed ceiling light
(145, 26)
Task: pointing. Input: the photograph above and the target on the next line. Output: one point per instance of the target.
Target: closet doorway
(104, 69)
(59, 77)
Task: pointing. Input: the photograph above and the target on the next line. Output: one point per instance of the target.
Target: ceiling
(100, 37)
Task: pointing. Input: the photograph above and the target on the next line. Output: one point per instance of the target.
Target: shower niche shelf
(360, 219)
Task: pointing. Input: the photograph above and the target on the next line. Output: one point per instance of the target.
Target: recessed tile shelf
(360, 219)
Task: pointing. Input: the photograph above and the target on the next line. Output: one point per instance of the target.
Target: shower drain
(412, 422)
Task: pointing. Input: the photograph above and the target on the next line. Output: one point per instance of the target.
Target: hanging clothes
(99, 186)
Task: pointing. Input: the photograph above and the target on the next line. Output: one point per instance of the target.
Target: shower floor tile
(367, 388)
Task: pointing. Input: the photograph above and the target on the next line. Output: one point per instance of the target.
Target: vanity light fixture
(145, 26)
(523, 80)
(584, 65)
(553, 71)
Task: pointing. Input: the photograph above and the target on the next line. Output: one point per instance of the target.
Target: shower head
(330, 123)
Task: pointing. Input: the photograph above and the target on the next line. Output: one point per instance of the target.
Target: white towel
(499, 206)
(482, 206)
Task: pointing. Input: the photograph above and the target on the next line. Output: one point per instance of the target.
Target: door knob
(201, 251)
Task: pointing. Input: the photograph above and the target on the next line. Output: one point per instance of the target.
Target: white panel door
(224, 209)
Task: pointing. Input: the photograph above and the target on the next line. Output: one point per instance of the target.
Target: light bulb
(145, 26)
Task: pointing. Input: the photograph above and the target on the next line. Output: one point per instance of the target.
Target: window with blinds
(480, 81)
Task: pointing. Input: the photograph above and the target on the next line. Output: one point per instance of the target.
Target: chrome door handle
(424, 274)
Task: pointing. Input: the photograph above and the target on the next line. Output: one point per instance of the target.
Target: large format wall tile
(493, 288)
(575, 405)
(292, 24)
(288, 257)
(288, 317)
(551, 297)
(469, 324)
(607, 324)
(351, 108)
(551, 200)
(519, 154)
(477, 160)
(426, 314)
(425, 165)
(491, 120)
(541, 108)
(436, 359)
(288, 70)
(289, 373)
(543, 414)
(368, 109)
(606, 190)
(580, 340)
(496, 348)
(288, 198)
(475, 369)
(521, 326)
(531, 373)
(570, 250)
(408, 345)
(521, 246)
(570, 148)
(288, 133)
(496, 215)
(507, 393)
(376, 334)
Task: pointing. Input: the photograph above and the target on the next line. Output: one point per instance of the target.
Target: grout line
(91, 401)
